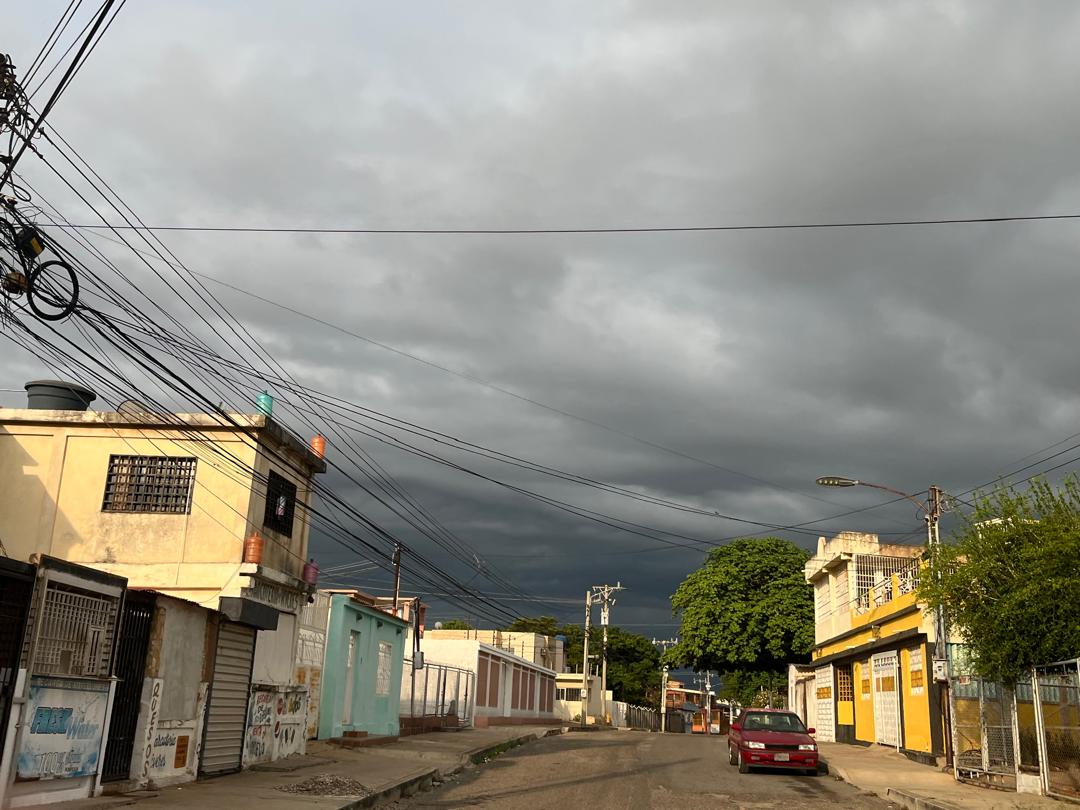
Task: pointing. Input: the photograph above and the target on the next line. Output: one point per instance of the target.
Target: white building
(509, 689)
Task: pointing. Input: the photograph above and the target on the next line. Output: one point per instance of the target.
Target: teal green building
(361, 679)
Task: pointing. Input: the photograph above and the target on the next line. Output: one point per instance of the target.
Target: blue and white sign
(64, 722)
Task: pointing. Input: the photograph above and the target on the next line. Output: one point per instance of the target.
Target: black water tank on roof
(56, 395)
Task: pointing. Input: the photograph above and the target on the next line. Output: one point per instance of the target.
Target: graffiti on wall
(63, 733)
(257, 744)
(277, 724)
(151, 726)
(262, 709)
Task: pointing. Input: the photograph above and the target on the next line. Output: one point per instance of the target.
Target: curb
(425, 780)
(406, 787)
(914, 802)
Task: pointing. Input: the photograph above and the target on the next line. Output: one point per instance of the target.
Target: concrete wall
(54, 465)
(310, 654)
(374, 703)
(277, 721)
(168, 735)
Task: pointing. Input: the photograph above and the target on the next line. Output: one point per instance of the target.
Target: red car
(769, 738)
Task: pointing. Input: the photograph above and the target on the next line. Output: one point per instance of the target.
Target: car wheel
(731, 759)
(743, 767)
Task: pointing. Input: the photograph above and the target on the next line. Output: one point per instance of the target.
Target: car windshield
(773, 721)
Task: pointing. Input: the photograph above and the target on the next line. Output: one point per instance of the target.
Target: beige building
(167, 501)
(547, 651)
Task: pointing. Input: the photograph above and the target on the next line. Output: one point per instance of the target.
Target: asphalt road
(634, 771)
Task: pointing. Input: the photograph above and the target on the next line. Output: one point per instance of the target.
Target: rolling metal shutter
(226, 716)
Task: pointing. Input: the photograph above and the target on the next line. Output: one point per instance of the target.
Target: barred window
(75, 636)
(280, 505)
(149, 484)
(845, 689)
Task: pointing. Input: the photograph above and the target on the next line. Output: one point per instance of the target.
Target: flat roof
(264, 427)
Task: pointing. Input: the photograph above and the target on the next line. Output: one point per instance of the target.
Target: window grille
(149, 484)
(280, 505)
(845, 688)
(382, 674)
(873, 578)
(76, 633)
(569, 694)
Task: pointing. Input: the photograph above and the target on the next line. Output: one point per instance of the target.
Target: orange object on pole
(253, 548)
(318, 445)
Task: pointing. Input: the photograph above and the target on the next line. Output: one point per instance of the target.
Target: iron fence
(641, 718)
(983, 713)
(1057, 715)
(438, 691)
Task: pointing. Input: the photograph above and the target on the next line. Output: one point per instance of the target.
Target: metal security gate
(1057, 713)
(130, 665)
(886, 699)
(825, 714)
(983, 713)
(16, 588)
(226, 712)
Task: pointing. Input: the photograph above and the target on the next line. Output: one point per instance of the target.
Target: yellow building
(871, 676)
(167, 501)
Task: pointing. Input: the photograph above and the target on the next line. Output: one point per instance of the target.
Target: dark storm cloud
(903, 355)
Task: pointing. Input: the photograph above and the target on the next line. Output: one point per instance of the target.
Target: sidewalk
(385, 773)
(909, 784)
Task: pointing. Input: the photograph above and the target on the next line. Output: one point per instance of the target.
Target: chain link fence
(1057, 713)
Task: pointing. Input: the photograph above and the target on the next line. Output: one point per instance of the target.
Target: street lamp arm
(921, 504)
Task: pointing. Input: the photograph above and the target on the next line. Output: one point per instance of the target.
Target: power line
(793, 226)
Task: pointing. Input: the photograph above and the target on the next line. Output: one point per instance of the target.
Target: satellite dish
(438, 625)
(133, 407)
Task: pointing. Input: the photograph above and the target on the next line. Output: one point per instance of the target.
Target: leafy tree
(747, 612)
(457, 624)
(1008, 579)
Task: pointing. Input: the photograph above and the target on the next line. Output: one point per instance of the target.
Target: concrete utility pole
(397, 575)
(585, 662)
(664, 643)
(603, 594)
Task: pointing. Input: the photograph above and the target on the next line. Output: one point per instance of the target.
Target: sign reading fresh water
(62, 737)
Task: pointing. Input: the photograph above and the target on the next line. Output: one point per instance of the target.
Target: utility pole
(603, 595)
(934, 508)
(585, 661)
(664, 643)
(397, 575)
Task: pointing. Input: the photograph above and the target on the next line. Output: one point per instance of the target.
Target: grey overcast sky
(908, 356)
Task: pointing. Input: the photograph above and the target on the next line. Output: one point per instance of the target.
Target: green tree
(1008, 579)
(747, 612)
(457, 624)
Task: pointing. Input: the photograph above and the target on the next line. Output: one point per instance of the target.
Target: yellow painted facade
(54, 465)
(864, 701)
(866, 605)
